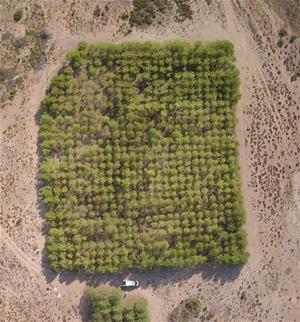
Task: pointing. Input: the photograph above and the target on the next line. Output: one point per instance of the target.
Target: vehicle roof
(129, 282)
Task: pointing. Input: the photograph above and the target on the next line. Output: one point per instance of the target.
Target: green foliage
(140, 159)
(18, 15)
(106, 306)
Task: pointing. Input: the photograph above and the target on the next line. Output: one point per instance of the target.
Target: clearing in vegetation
(140, 158)
(106, 306)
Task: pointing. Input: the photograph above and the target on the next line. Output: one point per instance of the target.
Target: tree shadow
(42, 208)
(154, 279)
(84, 308)
(48, 273)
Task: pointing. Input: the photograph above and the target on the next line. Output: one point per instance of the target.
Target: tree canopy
(140, 159)
(106, 306)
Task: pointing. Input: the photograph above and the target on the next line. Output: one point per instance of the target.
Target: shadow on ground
(154, 279)
(84, 308)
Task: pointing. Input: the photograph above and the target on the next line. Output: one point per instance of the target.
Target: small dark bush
(292, 39)
(280, 43)
(184, 9)
(6, 74)
(2, 78)
(243, 296)
(187, 310)
(282, 33)
(18, 15)
(20, 42)
(97, 11)
(124, 15)
(145, 12)
(44, 34)
(37, 55)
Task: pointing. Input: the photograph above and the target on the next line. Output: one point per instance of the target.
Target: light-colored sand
(268, 134)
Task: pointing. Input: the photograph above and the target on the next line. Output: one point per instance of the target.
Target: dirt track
(269, 141)
(23, 259)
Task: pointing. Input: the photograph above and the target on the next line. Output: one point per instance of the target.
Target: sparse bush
(145, 12)
(292, 39)
(244, 296)
(37, 55)
(6, 75)
(184, 9)
(124, 15)
(282, 33)
(127, 31)
(97, 11)
(280, 43)
(187, 310)
(2, 77)
(18, 15)
(20, 42)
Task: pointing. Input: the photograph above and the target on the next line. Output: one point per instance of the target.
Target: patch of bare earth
(267, 288)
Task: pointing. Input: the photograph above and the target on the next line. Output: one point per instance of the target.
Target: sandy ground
(268, 134)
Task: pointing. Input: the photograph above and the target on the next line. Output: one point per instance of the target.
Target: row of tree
(107, 306)
(140, 163)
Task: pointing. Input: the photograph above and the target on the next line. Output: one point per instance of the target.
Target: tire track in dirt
(20, 255)
(230, 16)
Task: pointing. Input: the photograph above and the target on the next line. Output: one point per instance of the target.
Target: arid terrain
(267, 288)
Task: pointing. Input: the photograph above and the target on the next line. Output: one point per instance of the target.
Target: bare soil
(268, 128)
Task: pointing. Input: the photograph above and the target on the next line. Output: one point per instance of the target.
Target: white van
(130, 283)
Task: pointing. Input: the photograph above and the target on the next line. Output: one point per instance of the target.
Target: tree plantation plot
(106, 306)
(140, 158)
